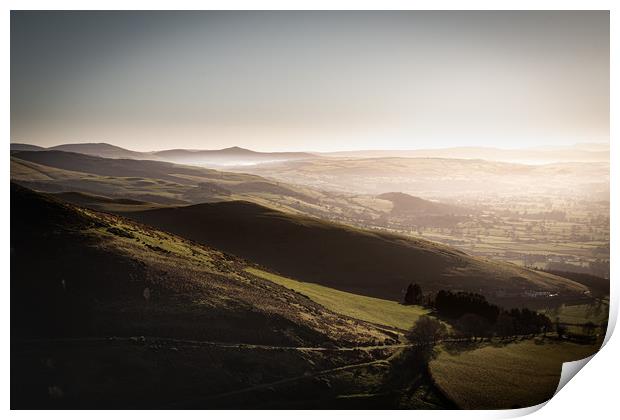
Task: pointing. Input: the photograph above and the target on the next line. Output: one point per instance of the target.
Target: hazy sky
(310, 80)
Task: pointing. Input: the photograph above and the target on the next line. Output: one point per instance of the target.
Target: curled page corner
(611, 320)
(569, 370)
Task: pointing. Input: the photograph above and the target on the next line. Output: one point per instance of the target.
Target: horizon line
(549, 146)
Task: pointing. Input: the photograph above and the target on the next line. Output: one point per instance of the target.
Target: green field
(498, 377)
(580, 314)
(378, 311)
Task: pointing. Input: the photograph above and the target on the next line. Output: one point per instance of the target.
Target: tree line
(474, 317)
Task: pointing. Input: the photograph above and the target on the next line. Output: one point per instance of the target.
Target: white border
(593, 395)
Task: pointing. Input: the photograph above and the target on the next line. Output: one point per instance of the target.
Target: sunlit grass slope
(498, 377)
(377, 311)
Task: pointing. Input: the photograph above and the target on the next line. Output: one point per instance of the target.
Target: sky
(319, 81)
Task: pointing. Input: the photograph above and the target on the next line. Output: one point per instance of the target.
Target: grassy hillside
(108, 313)
(408, 205)
(598, 285)
(359, 261)
(103, 203)
(153, 181)
(92, 272)
(515, 375)
(378, 311)
(597, 313)
(116, 314)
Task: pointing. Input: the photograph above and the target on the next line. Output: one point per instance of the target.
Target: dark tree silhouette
(473, 326)
(505, 325)
(455, 305)
(413, 296)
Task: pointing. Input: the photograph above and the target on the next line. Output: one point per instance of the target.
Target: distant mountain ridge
(582, 152)
(94, 149)
(228, 156)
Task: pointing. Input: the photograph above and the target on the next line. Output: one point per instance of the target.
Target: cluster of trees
(456, 305)
(521, 322)
(475, 317)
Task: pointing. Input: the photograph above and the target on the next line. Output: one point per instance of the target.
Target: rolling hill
(86, 163)
(359, 261)
(408, 210)
(408, 205)
(108, 313)
(146, 180)
(166, 183)
(93, 269)
(95, 149)
(21, 147)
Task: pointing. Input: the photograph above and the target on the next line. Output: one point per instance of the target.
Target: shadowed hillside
(23, 147)
(359, 261)
(103, 150)
(92, 272)
(86, 163)
(95, 149)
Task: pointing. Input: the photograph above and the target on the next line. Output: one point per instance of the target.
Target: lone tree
(413, 296)
(427, 332)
